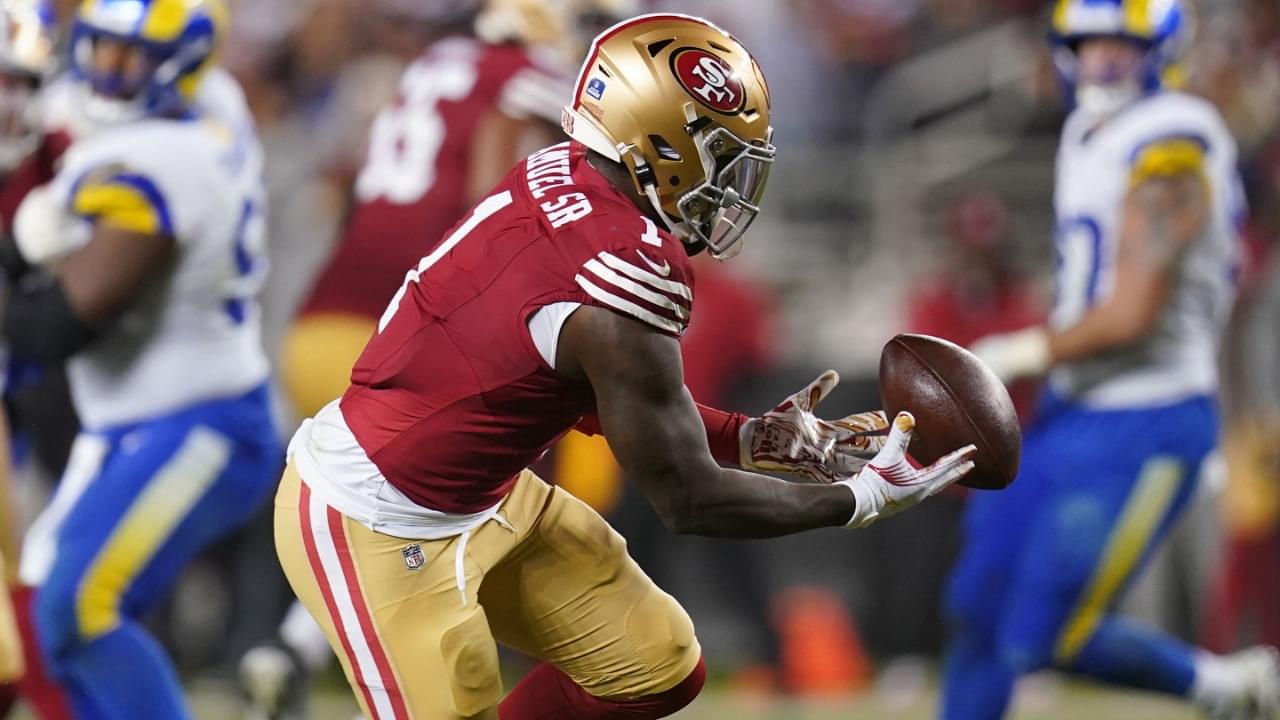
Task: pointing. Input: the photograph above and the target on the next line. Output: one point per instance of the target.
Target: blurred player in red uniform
(486, 91)
(407, 521)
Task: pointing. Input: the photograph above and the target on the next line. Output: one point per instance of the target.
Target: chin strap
(649, 186)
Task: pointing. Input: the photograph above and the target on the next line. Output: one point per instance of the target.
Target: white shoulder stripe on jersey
(638, 273)
(526, 110)
(533, 93)
(635, 288)
(629, 307)
(535, 81)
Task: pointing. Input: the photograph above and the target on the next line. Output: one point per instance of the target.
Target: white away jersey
(192, 335)
(1096, 167)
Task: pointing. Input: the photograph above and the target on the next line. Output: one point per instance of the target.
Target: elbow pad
(40, 324)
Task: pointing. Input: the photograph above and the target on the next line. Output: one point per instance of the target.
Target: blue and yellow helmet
(1160, 26)
(177, 40)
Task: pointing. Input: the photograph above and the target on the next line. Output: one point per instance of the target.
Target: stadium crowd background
(911, 193)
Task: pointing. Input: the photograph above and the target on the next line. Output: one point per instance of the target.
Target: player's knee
(664, 643)
(658, 704)
(475, 681)
(70, 614)
(675, 699)
(54, 611)
(967, 611)
(1023, 655)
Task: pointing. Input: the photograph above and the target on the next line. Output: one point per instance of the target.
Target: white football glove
(1015, 355)
(791, 439)
(44, 231)
(893, 482)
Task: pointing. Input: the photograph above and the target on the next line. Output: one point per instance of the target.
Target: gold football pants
(416, 622)
(11, 663)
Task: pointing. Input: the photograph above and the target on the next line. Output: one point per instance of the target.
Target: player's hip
(116, 385)
(547, 575)
(533, 519)
(128, 491)
(1186, 427)
(1131, 381)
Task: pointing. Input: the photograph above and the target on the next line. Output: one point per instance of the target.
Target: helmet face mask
(684, 108)
(137, 59)
(1153, 31)
(717, 212)
(1109, 71)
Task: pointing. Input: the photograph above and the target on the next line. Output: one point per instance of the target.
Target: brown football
(956, 401)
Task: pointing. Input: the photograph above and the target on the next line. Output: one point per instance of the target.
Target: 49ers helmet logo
(709, 79)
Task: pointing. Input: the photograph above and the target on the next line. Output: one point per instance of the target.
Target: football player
(407, 521)
(150, 239)
(1147, 202)
(487, 90)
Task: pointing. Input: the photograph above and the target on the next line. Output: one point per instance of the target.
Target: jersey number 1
(482, 212)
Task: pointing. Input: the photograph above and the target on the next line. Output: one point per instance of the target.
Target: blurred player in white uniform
(151, 240)
(1147, 204)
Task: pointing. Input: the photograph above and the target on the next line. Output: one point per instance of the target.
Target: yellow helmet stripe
(1137, 18)
(1060, 16)
(164, 20)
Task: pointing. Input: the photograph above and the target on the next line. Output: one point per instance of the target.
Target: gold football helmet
(685, 108)
(556, 24)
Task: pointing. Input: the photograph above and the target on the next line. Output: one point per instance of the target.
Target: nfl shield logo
(595, 88)
(413, 557)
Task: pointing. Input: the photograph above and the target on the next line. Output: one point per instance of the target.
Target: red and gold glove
(791, 439)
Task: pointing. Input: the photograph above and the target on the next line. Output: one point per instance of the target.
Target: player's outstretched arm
(86, 291)
(657, 436)
(790, 438)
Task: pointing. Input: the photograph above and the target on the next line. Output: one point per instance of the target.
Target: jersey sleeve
(120, 197)
(139, 181)
(638, 272)
(1170, 155)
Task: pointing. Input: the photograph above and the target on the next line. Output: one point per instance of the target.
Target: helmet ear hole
(675, 181)
(665, 151)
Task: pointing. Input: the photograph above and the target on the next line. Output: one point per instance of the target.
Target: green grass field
(1066, 701)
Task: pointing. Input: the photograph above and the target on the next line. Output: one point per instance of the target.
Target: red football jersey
(413, 186)
(451, 399)
(35, 170)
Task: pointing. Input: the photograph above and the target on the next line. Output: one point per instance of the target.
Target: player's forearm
(738, 504)
(723, 429)
(1123, 319)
